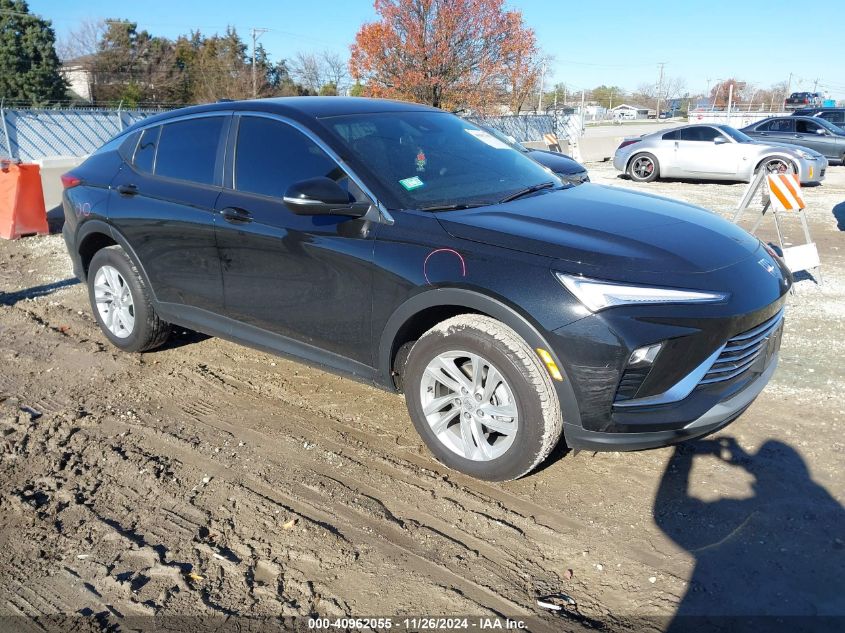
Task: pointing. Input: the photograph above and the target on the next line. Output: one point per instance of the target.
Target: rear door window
(145, 152)
(187, 150)
(778, 125)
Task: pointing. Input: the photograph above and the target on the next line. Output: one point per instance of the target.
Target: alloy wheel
(114, 301)
(643, 167)
(777, 166)
(469, 405)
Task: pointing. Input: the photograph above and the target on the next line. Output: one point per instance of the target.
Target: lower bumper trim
(714, 419)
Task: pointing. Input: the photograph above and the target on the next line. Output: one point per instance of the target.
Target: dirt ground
(211, 479)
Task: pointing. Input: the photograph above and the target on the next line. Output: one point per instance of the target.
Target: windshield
(739, 137)
(435, 159)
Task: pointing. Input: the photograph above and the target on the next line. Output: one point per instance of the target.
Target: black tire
(148, 331)
(535, 398)
(644, 174)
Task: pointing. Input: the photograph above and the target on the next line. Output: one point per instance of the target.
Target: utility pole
(542, 81)
(660, 87)
(256, 33)
(815, 84)
(610, 105)
(582, 111)
(730, 99)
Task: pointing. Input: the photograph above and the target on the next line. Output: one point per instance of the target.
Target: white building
(625, 111)
(77, 73)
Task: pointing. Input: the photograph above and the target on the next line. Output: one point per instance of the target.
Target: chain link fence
(29, 134)
(526, 128)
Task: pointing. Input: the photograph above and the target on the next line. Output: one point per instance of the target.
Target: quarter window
(146, 152)
(271, 156)
(187, 150)
(672, 136)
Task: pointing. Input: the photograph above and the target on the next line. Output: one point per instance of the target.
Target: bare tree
(307, 69)
(83, 41)
(335, 70)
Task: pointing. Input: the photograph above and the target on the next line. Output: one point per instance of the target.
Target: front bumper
(812, 170)
(712, 420)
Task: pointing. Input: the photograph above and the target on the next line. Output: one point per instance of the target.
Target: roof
(302, 109)
(629, 107)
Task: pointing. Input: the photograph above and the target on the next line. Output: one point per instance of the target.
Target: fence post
(119, 117)
(6, 130)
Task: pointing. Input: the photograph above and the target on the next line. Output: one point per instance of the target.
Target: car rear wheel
(122, 303)
(643, 168)
(481, 399)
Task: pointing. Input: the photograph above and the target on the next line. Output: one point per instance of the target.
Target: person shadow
(773, 562)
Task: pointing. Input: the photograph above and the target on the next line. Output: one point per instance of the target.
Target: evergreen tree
(29, 66)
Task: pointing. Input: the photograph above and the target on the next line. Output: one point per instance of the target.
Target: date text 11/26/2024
(419, 623)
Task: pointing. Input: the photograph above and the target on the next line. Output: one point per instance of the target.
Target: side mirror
(720, 140)
(821, 131)
(322, 196)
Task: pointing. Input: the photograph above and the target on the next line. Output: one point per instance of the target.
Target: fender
(101, 226)
(478, 302)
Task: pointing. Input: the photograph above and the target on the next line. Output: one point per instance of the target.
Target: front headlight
(805, 155)
(598, 295)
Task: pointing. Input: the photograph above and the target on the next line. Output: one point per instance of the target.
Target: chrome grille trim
(740, 352)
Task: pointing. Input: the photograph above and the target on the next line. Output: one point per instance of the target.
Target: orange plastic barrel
(22, 210)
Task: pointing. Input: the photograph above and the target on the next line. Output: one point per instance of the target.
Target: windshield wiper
(451, 207)
(527, 190)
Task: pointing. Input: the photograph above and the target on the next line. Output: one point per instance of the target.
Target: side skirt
(264, 340)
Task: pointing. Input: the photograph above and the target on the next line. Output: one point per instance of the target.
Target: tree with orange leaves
(446, 53)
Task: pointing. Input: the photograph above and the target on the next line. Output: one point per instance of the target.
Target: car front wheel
(122, 303)
(481, 399)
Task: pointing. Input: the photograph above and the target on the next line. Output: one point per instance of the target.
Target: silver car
(712, 152)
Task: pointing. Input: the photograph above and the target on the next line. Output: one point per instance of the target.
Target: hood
(558, 163)
(789, 148)
(607, 231)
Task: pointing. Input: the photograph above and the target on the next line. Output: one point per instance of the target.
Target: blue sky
(604, 42)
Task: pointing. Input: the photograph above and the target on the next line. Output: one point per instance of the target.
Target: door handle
(236, 215)
(127, 190)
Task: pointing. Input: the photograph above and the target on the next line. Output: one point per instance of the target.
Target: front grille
(821, 173)
(741, 351)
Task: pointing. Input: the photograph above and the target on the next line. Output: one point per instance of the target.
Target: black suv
(411, 249)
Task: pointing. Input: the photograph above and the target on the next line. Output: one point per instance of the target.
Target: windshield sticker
(486, 137)
(411, 183)
(420, 159)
